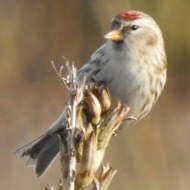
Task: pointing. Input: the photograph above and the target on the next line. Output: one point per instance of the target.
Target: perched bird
(132, 64)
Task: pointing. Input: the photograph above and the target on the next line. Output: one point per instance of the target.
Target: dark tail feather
(46, 155)
(40, 152)
(32, 148)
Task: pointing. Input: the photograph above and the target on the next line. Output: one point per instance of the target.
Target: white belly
(129, 86)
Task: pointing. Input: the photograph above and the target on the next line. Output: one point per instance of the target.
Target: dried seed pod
(79, 118)
(104, 179)
(87, 165)
(78, 141)
(99, 158)
(111, 125)
(104, 99)
(93, 107)
(85, 136)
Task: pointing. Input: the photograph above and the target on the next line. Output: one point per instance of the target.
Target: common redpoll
(132, 64)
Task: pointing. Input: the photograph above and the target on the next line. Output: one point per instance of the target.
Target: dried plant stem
(90, 122)
(67, 148)
(68, 160)
(72, 160)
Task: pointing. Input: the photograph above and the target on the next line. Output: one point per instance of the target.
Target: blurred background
(155, 154)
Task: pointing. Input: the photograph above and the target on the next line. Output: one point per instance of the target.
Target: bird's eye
(115, 24)
(134, 27)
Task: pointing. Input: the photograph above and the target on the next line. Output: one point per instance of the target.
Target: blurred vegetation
(32, 33)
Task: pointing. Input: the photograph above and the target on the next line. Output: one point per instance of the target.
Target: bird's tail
(40, 152)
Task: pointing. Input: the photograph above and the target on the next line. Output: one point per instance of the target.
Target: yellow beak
(114, 35)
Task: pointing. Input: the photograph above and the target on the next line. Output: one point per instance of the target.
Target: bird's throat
(118, 45)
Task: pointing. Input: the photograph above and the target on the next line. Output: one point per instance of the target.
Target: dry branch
(91, 122)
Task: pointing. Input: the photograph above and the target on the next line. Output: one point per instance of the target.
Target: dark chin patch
(118, 45)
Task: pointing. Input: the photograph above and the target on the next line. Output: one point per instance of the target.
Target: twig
(90, 124)
(68, 154)
(59, 74)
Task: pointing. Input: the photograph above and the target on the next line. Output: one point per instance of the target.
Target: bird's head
(133, 28)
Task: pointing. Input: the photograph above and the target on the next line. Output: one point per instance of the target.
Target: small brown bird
(131, 63)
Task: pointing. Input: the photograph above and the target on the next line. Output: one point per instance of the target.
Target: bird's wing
(95, 65)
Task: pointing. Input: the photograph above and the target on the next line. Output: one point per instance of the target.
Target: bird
(131, 63)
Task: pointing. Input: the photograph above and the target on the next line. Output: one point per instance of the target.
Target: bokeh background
(153, 155)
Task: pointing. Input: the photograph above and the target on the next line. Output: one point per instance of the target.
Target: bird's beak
(115, 35)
